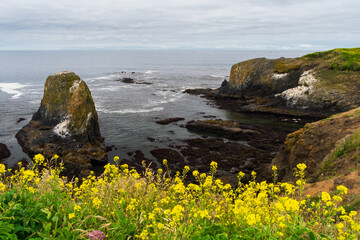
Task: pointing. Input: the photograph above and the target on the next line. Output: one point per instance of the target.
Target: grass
(36, 203)
(341, 149)
(285, 67)
(340, 59)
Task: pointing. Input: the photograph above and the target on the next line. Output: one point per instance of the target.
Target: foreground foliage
(39, 204)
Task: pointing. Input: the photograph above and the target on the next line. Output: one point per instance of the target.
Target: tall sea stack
(66, 124)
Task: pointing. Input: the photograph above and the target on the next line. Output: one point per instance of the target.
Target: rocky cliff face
(318, 84)
(329, 147)
(66, 124)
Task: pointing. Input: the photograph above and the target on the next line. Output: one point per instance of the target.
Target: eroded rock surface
(66, 124)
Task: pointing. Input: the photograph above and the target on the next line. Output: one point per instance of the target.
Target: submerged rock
(66, 124)
(4, 151)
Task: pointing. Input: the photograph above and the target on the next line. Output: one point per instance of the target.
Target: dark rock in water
(20, 120)
(66, 124)
(169, 120)
(145, 83)
(127, 80)
(224, 83)
(4, 151)
(200, 91)
(224, 128)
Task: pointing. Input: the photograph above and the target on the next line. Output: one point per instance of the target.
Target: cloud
(118, 24)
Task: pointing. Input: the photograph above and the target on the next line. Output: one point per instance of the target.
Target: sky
(179, 24)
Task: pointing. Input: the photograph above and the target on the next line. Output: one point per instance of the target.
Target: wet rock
(145, 83)
(234, 170)
(169, 120)
(4, 151)
(223, 128)
(126, 80)
(20, 120)
(175, 160)
(66, 124)
(249, 165)
(200, 91)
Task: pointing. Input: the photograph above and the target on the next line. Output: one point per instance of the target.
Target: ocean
(127, 111)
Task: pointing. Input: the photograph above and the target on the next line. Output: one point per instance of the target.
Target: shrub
(121, 204)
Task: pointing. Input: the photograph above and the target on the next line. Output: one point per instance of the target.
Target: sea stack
(66, 124)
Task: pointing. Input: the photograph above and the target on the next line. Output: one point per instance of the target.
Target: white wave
(115, 88)
(11, 88)
(151, 72)
(168, 98)
(132, 110)
(217, 76)
(108, 77)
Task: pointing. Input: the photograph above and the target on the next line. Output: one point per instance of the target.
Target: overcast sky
(168, 24)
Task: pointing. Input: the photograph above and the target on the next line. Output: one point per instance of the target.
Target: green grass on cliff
(340, 59)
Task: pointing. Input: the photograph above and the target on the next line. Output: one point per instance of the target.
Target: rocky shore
(286, 96)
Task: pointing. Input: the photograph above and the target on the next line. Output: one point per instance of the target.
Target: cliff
(329, 147)
(317, 84)
(65, 124)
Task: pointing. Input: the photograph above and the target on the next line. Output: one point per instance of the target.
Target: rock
(329, 147)
(4, 151)
(249, 165)
(234, 170)
(223, 128)
(311, 85)
(127, 80)
(20, 120)
(65, 124)
(225, 83)
(169, 120)
(146, 83)
(174, 158)
(200, 91)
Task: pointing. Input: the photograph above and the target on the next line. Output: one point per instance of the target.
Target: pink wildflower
(96, 235)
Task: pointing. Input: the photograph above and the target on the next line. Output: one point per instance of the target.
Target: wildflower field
(37, 203)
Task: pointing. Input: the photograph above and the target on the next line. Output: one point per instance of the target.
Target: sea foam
(12, 88)
(132, 110)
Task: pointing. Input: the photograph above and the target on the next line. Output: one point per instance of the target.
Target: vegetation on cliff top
(37, 203)
(340, 59)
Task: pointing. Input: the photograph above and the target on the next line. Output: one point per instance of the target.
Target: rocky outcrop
(224, 128)
(66, 124)
(4, 152)
(329, 147)
(318, 84)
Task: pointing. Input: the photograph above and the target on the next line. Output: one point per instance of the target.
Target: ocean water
(127, 112)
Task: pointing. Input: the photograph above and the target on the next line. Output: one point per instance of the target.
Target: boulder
(4, 151)
(65, 124)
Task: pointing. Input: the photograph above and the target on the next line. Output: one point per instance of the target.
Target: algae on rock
(66, 124)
